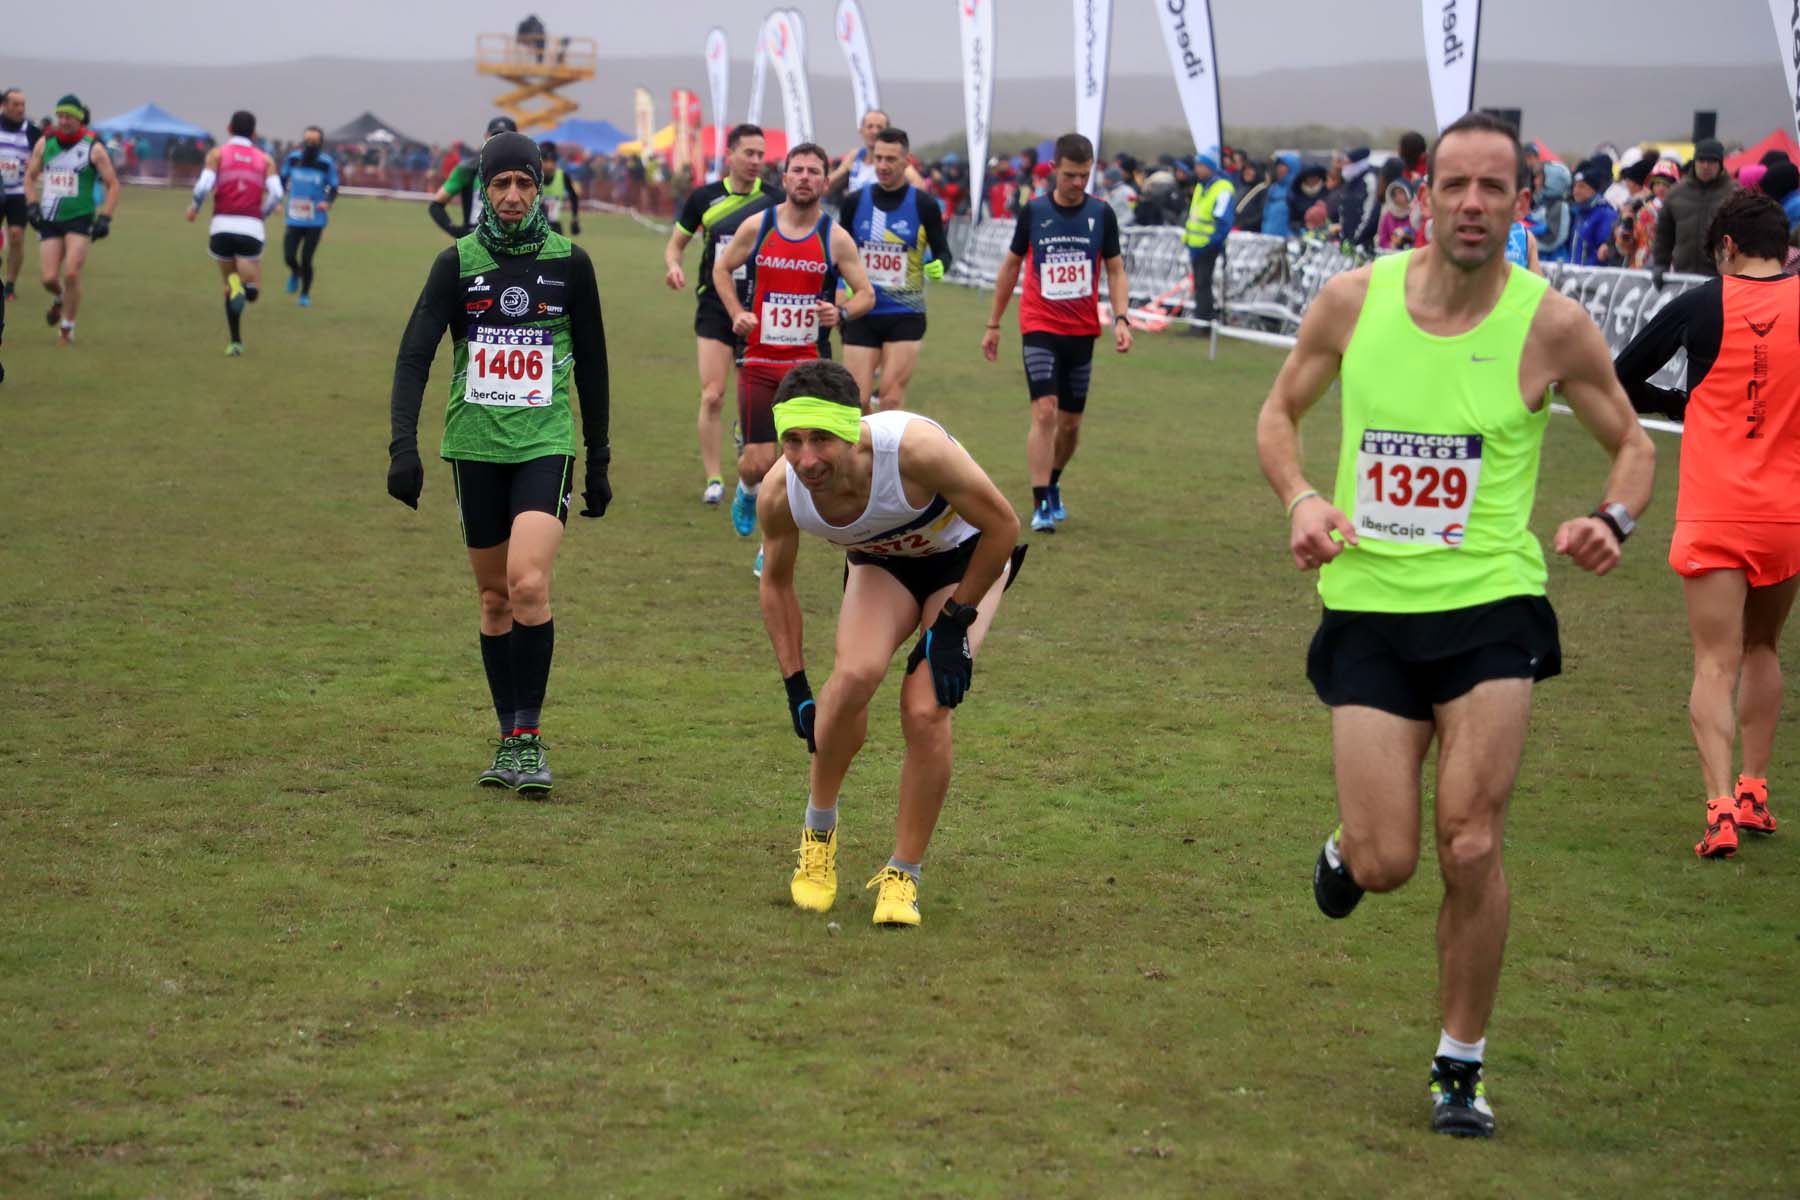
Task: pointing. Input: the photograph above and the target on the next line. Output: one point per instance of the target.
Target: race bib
(300, 210)
(886, 264)
(12, 171)
(789, 319)
(60, 185)
(1416, 488)
(1066, 276)
(509, 368)
(743, 271)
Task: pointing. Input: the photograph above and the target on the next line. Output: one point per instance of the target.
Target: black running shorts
(876, 331)
(712, 322)
(228, 246)
(12, 211)
(1058, 364)
(925, 575)
(78, 226)
(490, 495)
(1408, 663)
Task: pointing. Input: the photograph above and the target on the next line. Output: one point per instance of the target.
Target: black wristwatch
(1121, 317)
(1616, 518)
(962, 614)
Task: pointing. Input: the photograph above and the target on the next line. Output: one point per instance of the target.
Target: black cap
(509, 151)
(502, 125)
(1709, 148)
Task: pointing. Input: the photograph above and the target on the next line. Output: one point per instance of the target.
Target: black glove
(441, 218)
(598, 492)
(406, 477)
(802, 709)
(574, 224)
(102, 227)
(34, 216)
(946, 645)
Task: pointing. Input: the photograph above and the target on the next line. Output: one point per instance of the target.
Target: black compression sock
(233, 319)
(531, 649)
(1056, 476)
(251, 292)
(496, 660)
(1040, 496)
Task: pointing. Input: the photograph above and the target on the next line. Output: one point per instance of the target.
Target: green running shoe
(505, 771)
(532, 765)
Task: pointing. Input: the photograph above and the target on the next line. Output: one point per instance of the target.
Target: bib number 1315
(1416, 488)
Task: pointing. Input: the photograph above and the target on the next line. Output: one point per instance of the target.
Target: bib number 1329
(1416, 488)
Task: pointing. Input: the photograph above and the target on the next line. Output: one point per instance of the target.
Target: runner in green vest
(1435, 619)
(524, 316)
(464, 181)
(59, 202)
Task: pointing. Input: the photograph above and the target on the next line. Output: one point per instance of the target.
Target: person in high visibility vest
(1209, 221)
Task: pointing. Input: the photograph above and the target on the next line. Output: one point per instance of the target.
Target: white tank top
(889, 526)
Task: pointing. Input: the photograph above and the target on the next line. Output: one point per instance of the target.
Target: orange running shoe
(1753, 805)
(1721, 840)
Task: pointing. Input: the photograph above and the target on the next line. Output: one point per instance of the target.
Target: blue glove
(946, 646)
(802, 709)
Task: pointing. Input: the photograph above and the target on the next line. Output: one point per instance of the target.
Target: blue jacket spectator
(1356, 203)
(1277, 220)
(1551, 223)
(1593, 218)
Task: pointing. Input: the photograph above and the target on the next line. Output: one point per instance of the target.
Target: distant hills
(1570, 107)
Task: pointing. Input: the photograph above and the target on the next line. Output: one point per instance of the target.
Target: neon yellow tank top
(1438, 467)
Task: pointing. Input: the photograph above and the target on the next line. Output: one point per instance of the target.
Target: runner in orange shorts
(1737, 519)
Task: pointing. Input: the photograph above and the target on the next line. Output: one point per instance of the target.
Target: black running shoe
(1335, 892)
(505, 771)
(1459, 1104)
(531, 765)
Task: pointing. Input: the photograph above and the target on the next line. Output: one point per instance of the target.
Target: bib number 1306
(1416, 488)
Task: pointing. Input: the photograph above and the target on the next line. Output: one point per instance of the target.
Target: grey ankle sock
(913, 869)
(821, 820)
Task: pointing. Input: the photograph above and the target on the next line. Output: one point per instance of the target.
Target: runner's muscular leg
(861, 362)
(489, 563)
(875, 618)
(715, 360)
(1759, 683)
(1068, 433)
(530, 558)
(897, 362)
(755, 461)
(1481, 737)
(15, 252)
(250, 271)
(925, 772)
(1040, 440)
(75, 252)
(50, 255)
(1715, 607)
(1377, 757)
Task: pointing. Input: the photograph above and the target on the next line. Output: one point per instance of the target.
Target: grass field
(265, 939)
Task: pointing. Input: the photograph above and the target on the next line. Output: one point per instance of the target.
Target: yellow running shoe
(814, 885)
(897, 903)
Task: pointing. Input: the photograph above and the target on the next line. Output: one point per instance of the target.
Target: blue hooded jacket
(1275, 208)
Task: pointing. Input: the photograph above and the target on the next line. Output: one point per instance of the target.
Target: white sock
(68, 327)
(1449, 1047)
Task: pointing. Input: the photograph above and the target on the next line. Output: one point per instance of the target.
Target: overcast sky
(913, 39)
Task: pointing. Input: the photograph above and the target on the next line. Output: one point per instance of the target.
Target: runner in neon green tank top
(1435, 619)
(523, 313)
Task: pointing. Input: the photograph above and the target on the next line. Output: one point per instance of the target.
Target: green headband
(811, 412)
(70, 106)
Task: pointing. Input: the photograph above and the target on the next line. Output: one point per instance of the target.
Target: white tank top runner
(889, 527)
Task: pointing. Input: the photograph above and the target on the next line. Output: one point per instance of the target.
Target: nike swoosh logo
(1479, 358)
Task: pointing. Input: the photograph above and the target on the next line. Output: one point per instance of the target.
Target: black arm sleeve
(692, 213)
(441, 216)
(1021, 242)
(418, 346)
(931, 220)
(1109, 232)
(587, 338)
(569, 186)
(1695, 319)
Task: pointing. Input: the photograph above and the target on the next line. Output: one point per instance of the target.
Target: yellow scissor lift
(538, 65)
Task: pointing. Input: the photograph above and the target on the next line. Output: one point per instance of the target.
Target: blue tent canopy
(149, 119)
(596, 137)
